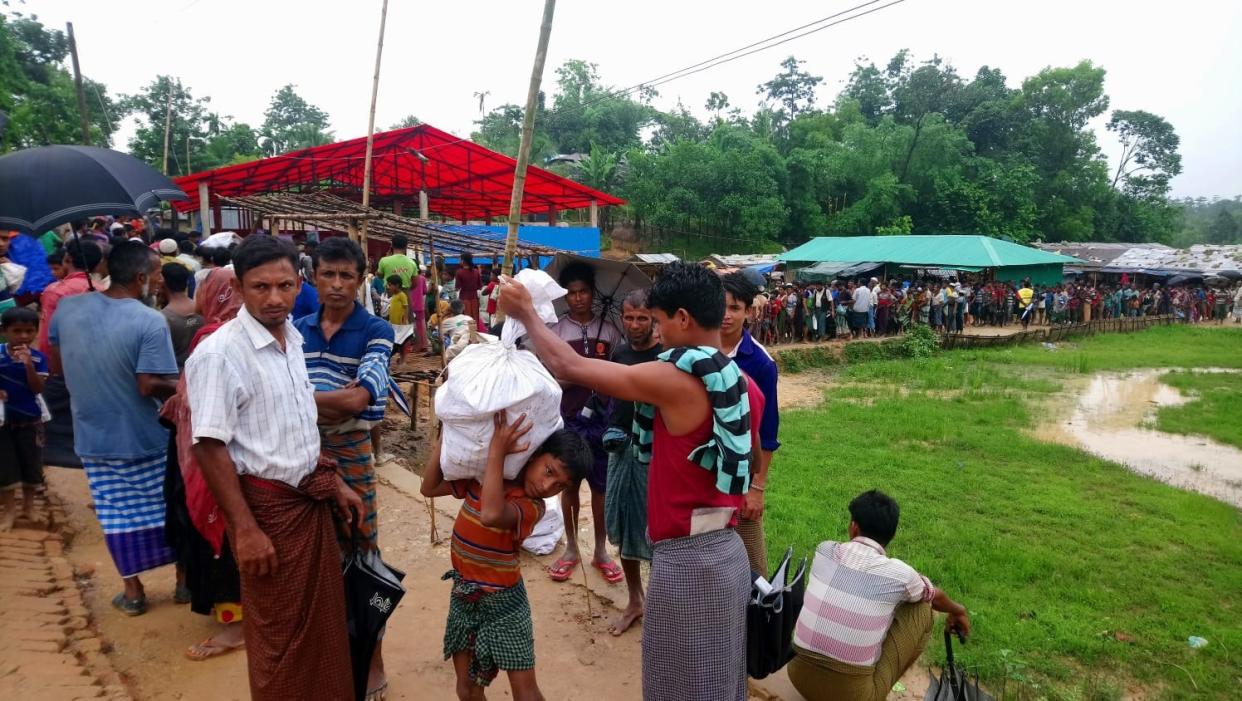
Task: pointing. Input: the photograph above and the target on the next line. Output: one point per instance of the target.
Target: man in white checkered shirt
(254, 419)
(866, 617)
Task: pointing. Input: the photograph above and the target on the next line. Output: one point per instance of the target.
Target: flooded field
(1110, 417)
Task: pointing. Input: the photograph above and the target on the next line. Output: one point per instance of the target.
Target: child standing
(398, 314)
(489, 624)
(22, 371)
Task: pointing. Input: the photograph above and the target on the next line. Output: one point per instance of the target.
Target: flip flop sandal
(181, 595)
(378, 693)
(562, 570)
(612, 572)
(210, 648)
(130, 607)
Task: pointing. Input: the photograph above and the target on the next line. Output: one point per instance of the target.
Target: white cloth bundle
(488, 377)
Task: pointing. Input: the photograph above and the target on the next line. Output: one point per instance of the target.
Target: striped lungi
(351, 451)
(694, 622)
(625, 504)
(129, 502)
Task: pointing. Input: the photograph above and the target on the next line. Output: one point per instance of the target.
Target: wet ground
(1110, 416)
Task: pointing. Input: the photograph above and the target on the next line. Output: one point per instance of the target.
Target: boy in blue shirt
(22, 371)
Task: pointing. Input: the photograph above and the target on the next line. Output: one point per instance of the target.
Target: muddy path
(1109, 415)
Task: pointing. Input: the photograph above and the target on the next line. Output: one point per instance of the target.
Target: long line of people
(843, 310)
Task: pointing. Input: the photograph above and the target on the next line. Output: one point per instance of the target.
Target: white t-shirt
(862, 299)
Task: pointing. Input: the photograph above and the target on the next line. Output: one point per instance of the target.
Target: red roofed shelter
(442, 173)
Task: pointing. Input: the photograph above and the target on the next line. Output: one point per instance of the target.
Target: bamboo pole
(77, 86)
(366, 166)
(168, 125)
(528, 129)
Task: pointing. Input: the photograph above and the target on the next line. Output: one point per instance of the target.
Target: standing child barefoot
(489, 623)
(22, 372)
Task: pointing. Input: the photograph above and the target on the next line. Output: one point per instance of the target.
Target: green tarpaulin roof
(929, 250)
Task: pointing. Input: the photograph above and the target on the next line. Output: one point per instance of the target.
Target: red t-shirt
(468, 282)
(680, 492)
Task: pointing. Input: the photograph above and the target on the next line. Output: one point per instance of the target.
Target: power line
(719, 60)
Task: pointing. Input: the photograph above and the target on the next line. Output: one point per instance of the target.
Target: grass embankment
(1082, 578)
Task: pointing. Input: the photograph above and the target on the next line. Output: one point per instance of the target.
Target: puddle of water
(1108, 418)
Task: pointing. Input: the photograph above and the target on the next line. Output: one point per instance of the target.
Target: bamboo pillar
(77, 88)
(424, 206)
(528, 129)
(366, 165)
(204, 209)
(594, 212)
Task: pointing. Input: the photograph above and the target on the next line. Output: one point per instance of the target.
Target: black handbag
(372, 591)
(771, 616)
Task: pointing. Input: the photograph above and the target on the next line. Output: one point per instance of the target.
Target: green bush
(920, 342)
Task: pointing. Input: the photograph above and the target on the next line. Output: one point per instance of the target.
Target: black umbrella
(372, 591)
(954, 683)
(44, 187)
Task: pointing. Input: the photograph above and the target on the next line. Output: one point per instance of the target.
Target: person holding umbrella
(590, 335)
(866, 616)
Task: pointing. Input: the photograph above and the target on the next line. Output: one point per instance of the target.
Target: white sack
(548, 530)
(488, 377)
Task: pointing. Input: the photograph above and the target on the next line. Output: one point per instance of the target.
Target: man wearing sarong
(695, 423)
(867, 616)
(253, 416)
(625, 502)
(117, 358)
(347, 350)
(753, 359)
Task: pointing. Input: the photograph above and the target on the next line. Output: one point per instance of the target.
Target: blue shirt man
(359, 350)
(307, 301)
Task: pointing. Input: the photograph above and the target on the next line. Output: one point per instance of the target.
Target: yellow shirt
(399, 309)
(1024, 297)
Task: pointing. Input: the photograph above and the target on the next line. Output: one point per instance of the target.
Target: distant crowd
(842, 310)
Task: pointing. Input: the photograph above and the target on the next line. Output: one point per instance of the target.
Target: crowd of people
(862, 308)
(226, 404)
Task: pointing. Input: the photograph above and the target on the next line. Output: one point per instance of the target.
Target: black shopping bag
(770, 618)
(372, 591)
(954, 683)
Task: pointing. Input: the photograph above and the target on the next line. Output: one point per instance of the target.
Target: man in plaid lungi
(694, 633)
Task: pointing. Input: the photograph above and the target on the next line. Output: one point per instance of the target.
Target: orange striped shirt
(489, 557)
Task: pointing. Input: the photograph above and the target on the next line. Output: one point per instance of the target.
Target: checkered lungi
(129, 502)
(694, 623)
(494, 627)
(625, 504)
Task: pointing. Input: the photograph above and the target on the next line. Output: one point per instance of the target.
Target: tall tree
(1224, 228)
(188, 124)
(38, 104)
(1149, 157)
(291, 123)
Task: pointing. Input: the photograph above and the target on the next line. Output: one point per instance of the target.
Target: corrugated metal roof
(656, 258)
(1199, 258)
(929, 250)
(744, 260)
(1095, 253)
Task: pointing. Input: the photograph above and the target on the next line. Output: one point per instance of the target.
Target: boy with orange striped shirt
(489, 624)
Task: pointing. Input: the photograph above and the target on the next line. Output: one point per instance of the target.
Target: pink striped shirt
(850, 599)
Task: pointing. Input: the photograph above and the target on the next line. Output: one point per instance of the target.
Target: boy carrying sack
(489, 624)
(22, 372)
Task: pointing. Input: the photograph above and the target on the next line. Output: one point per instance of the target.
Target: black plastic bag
(771, 617)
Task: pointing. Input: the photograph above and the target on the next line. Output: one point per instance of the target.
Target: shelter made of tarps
(828, 271)
(1006, 260)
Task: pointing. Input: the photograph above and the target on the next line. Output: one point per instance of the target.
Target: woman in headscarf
(195, 525)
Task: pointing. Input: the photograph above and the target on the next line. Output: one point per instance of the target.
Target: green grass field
(1082, 578)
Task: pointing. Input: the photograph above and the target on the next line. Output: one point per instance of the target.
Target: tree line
(905, 146)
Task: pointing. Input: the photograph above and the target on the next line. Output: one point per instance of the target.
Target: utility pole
(366, 164)
(528, 130)
(77, 84)
(168, 125)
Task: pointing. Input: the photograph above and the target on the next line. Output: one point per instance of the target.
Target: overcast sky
(1179, 60)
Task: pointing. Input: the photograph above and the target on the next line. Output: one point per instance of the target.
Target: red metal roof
(463, 180)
